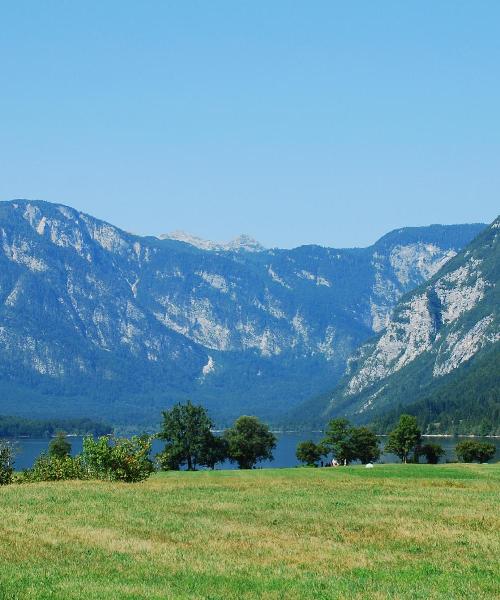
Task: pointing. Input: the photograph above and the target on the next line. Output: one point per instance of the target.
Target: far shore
(276, 431)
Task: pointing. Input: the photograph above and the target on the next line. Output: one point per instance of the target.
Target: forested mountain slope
(438, 356)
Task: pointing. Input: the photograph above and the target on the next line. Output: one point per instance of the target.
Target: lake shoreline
(28, 449)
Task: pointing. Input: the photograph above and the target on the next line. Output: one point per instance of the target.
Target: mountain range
(438, 357)
(95, 321)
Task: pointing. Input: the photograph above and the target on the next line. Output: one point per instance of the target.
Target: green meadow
(395, 531)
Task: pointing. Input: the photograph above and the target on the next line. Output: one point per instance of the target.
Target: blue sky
(296, 122)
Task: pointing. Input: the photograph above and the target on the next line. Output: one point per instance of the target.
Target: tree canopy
(189, 441)
(348, 443)
(309, 453)
(404, 439)
(475, 451)
(60, 446)
(249, 441)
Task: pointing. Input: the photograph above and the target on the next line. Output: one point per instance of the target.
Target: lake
(27, 449)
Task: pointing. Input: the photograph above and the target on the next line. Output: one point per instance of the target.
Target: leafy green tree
(186, 430)
(215, 451)
(6, 462)
(309, 453)
(475, 451)
(169, 459)
(339, 440)
(404, 438)
(249, 441)
(365, 444)
(60, 447)
(432, 452)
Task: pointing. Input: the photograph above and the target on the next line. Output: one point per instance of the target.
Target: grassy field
(396, 531)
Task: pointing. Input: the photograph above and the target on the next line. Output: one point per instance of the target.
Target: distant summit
(242, 242)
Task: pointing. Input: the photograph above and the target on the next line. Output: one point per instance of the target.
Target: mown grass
(396, 531)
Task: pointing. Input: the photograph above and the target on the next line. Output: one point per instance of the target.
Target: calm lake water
(284, 455)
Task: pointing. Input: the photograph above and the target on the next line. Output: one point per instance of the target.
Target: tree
(432, 452)
(60, 447)
(339, 440)
(404, 438)
(249, 441)
(169, 459)
(214, 451)
(475, 451)
(365, 444)
(6, 462)
(186, 432)
(309, 453)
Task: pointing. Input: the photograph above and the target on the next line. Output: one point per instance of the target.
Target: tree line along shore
(190, 443)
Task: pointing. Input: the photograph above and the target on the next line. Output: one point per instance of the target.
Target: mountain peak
(242, 242)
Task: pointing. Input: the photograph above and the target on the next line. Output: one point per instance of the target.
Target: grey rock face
(431, 333)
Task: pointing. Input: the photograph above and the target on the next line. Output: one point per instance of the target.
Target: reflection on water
(284, 454)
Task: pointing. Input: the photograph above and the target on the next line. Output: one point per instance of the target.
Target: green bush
(6, 462)
(113, 459)
(432, 452)
(117, 459)
(474, 451)
(49, 467)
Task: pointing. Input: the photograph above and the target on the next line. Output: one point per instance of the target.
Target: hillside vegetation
(19, 427)
(468, 403)
(395, 531)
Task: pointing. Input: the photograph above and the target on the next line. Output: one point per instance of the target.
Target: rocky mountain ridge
(95, 321)
(432, 335)
(242, 242)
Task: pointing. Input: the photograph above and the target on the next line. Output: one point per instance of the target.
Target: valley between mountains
(95, 321)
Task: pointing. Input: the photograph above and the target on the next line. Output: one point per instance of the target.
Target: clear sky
(295, 122)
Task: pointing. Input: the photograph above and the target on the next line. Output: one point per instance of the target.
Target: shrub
(475, 451)
(117, 459)
(432, 452)
(49, 467)
(6, 462)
